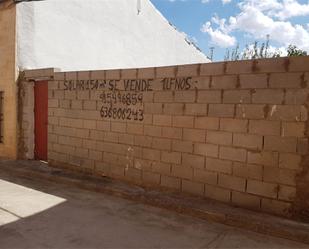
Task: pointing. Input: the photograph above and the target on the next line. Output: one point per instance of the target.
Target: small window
(1, 117)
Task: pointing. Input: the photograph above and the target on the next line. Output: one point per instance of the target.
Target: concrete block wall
(236, 132)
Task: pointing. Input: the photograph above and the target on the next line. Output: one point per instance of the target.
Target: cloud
(226, 1)
(259, 18)
(219, 37)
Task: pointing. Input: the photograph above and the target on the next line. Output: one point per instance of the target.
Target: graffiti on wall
(123, 99)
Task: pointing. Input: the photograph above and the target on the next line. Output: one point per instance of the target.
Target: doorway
(40, 119)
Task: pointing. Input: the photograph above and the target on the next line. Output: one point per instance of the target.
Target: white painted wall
(98, 34)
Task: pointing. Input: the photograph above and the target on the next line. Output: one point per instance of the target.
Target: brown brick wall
(235, 132)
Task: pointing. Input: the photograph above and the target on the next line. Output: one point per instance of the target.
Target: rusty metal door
(41, 119)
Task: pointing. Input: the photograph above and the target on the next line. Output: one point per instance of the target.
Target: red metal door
(41, 119)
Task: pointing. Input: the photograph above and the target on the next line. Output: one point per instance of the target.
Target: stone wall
(8, 78)
(236, 132)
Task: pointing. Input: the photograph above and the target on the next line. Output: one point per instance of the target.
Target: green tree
(294, 51)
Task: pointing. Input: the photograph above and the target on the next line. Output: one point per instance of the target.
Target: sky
(224, 24)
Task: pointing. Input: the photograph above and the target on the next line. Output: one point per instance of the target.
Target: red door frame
(40, 119)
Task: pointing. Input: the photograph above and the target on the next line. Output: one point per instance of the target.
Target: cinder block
(71, 75)
(250, 111)
(289, 161)
(104, 125)
(126, 139)
(188, 70)
(89, 144)
(201, 83)
(146, 73)
(95, 155)
(132, 174)
(193, 161)
(248, 141)
(221, 110)
(72, 141)
(236, 96)
(296, 96)
(170, 182)
(282, 176)
(192, 187)
(249, 171)
(175, 133)
(164, 97)
(173, 109)
(233, 125)
(137, 129)
(154, 131)
(209, 96)
(98, 75)
(89, 124)
(83, 95)
(239, 67)
(170, 157)
(262, 188)
(141, 164)
(185, 96)
(207, 123)
(216, 68)
(302, 146)
(162, 143)
(205, 176)
(182, 172)
(90, 105)
(195, 109)
(113, 74)
(110, 137)
(64, 103)
(232, 182)
(253, 81)
(183, 121)
(233, 154)
(285, 80)
(263, 127)
(165, 72)
(70, 95)
(268, 96)
(77, 104)
(206, 149)
(280, 144)
(143, 141)
(285, 113)
(218, 137)
(118, 127)
(273, 65)
(162, 120)
(293, 129)
(263, 158)
(151, 154)
(224, 82)
(246, 200)
(153, 108)
(194, 135)
(217, 193)
(218, 165)
(287, 193)
(129, 73)
(182, 146)
(161, 168)
(277, 207)
(151, 178)
(298, 63)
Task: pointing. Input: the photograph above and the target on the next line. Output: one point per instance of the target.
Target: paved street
(39, 214)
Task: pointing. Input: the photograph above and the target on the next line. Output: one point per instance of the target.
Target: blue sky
(225, 23)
